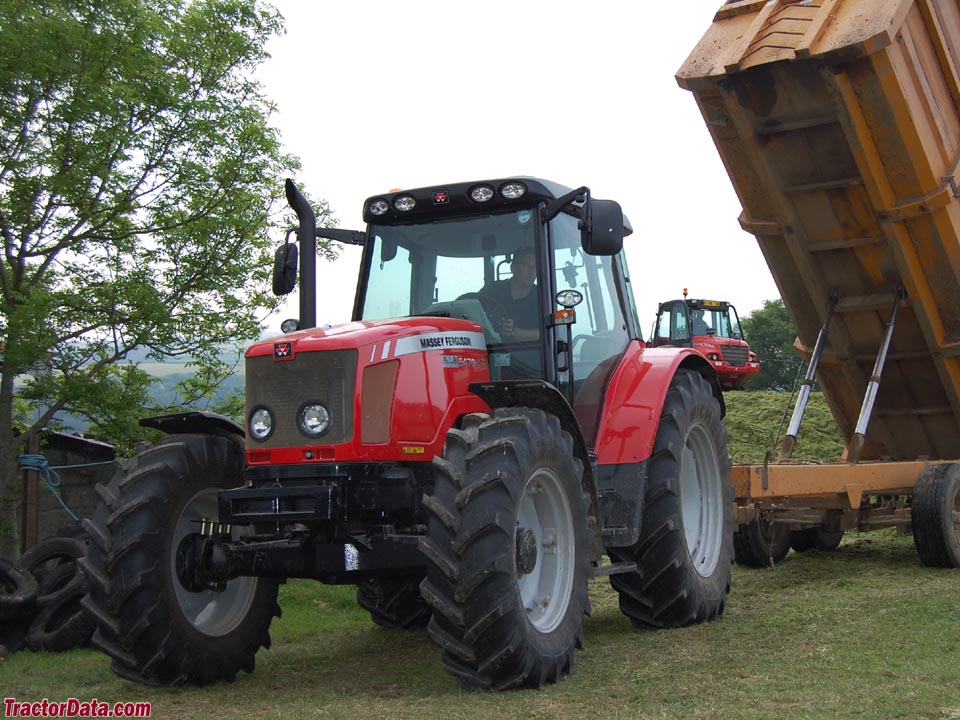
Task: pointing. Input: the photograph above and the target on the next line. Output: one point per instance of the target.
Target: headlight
(313, 419)
(289, 325)
(260, 424)
(404, 203)
(379, 207)
(481, 193)
(513, 190)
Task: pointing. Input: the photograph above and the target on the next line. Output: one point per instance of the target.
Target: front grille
(284, 386)
(736, 355)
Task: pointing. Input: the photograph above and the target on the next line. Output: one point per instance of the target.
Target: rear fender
(635, 399)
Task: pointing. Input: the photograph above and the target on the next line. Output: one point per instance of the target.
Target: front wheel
(507, 550)
(685, 548)
(155, 629)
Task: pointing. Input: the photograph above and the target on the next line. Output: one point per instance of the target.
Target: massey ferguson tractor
(465, 451)
(711, 327)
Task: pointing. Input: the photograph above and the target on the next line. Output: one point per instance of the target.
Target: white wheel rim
(701, 500)
(211, 612)
(545, 511)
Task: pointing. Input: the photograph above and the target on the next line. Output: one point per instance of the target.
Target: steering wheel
(496, 313)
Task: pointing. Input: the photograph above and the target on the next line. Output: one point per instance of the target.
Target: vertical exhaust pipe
(307, 234)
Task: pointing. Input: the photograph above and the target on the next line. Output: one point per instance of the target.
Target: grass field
(865, 632)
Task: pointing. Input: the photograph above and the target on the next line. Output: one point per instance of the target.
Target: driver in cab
(518, 297)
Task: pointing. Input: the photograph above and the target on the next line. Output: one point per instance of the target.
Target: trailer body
(838, 124)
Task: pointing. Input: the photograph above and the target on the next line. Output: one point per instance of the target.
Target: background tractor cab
(711, 327)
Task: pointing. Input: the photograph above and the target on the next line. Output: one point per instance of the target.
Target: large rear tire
(156, 631)
(507, 551)
(685, 550)
(935, 511)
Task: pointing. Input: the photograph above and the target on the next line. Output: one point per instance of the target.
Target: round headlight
(514, 190)
(404, 203)
(289, 325)
(481, 193)
(260, 424)
(313, 419)
(379, 207)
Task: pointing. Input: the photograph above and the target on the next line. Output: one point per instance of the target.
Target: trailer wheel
(761, 543)
(507, 550)
(816, 538)
(935, 511)
(394, 602)
(685, 548)
(156, 631)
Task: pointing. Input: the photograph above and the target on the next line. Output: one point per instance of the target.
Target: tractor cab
(712, 327)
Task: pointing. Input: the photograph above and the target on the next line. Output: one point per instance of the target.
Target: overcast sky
(376, 95)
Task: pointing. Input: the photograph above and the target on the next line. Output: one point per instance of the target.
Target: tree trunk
(10, 478)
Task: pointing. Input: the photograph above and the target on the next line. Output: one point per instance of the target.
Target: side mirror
(285, 269)
(601, 227)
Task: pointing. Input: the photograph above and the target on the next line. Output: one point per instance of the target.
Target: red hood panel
(372, 332)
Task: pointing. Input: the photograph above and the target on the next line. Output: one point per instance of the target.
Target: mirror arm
(347, 237)
(554, 208)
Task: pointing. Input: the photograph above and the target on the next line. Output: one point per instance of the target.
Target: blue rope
(39, 464)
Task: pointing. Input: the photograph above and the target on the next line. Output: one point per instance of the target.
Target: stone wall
(81, 464)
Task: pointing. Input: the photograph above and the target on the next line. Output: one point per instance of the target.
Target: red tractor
(712, 328)
(465, 451)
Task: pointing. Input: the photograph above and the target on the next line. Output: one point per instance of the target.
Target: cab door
(673, 325)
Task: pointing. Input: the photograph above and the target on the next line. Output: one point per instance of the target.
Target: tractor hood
(388, 337)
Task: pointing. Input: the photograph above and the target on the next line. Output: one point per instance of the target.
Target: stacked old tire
(40, 596)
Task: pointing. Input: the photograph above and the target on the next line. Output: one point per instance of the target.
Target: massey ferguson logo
(283, 351)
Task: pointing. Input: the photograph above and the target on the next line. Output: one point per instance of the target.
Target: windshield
(440, 268)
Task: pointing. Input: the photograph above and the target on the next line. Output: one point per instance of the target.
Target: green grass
(865, 632)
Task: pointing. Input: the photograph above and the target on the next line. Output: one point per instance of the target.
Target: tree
(139, 183)
(771, 334)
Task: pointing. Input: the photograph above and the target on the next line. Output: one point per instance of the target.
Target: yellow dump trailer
(838, 122)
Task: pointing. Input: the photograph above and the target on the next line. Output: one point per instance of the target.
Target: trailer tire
(935, 511)
(761, 543)
(394, 602)
(507, 550)
(816, 538)
(155, 630)
(685, 550)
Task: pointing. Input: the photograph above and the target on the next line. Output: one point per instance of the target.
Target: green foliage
(140, 182)
(757, 421)
(771, 334)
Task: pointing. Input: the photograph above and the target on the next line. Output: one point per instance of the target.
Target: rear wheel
(685, 548)
(507, 551)
(936, 516)
(156, 630)
(760, 543)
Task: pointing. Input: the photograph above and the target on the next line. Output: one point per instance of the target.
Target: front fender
(635, 398)
(190, 423)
